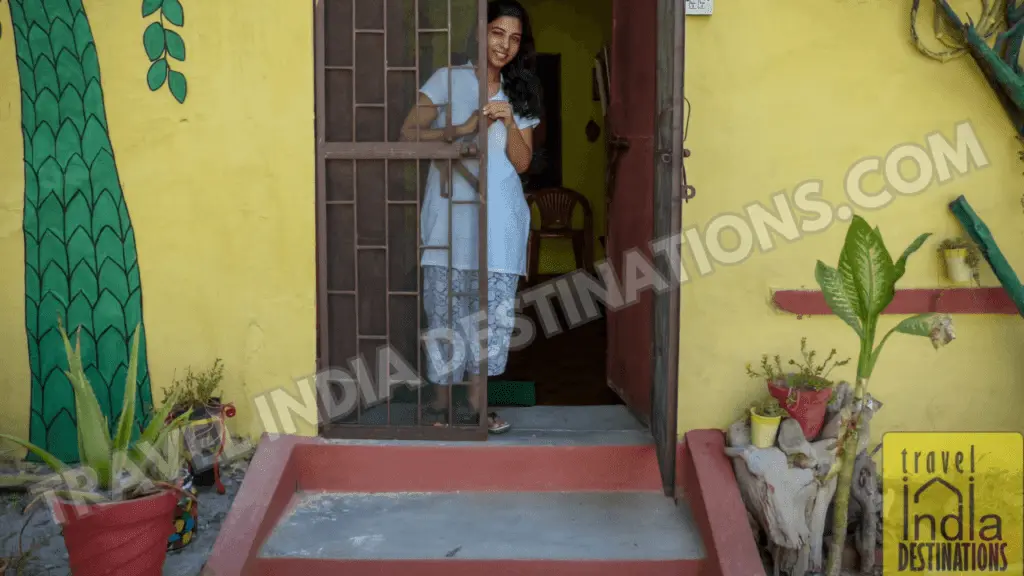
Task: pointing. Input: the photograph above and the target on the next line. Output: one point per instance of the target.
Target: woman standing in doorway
(513, 110)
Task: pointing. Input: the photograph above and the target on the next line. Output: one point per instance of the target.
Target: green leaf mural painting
(81, 264)
(162, 43)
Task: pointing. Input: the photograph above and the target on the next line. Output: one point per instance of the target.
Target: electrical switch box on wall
(699, 7)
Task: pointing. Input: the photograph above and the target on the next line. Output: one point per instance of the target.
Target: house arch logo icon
(953, 502)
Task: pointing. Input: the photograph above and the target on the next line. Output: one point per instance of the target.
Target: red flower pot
(807, 407)
(127, 538)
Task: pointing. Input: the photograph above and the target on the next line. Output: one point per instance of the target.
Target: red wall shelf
(909, 301)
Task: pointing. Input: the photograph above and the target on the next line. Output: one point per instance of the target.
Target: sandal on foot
(494, 427)
(435, 416)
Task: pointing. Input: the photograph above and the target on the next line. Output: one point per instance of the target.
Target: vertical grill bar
(485, 93)
(387, 236)
(323, 326)
(419, 233)
(355, 206)
(451, 205)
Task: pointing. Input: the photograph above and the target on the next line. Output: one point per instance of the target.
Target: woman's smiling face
(503, 37)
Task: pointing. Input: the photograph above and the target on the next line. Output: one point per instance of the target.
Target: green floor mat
(511, 393)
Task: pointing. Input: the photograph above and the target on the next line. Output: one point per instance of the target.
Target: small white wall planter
(961, 258)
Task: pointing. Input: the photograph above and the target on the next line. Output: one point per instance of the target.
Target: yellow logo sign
(953, 502)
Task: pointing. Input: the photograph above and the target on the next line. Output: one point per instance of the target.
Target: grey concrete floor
(488, 525)
(552, 425)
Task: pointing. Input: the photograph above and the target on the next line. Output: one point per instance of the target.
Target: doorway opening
(567, 183)
(375, 181)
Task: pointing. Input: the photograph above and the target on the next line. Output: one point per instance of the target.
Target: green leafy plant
(769, 408)
(857, 291)
(973, 257)
(803, 374)
(196, 389)
(162, 43)
(124, 467)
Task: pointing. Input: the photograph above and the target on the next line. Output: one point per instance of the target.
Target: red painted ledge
(708, 480)
(262, 499)
(992, 300)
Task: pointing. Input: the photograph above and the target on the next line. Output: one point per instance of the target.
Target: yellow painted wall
(583, 162)
(220, 191)
(824, 85)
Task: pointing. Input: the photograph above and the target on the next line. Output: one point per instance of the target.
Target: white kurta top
(508, 217)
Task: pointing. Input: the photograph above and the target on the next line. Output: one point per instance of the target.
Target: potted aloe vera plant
(118, 522)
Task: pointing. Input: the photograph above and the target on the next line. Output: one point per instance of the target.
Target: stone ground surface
(47, 555)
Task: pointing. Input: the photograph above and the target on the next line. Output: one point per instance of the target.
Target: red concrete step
(312, 507)
(475, 466)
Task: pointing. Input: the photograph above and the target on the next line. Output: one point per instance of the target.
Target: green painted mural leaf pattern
(178, 85)
(153, 40)
(157, 74)
(81, 264)
(161, 43)
(173, 12)
(175, 45)
(150, 6)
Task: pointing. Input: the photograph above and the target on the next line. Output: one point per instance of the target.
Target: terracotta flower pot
(807, 407)
(127, 538)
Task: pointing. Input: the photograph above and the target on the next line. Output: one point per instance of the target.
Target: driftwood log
(788, 489)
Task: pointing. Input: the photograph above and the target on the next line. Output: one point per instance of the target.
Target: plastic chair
(556, 207)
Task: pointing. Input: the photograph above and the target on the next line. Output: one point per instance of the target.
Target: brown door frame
(662, 139)
(354, 151)
(668, 186)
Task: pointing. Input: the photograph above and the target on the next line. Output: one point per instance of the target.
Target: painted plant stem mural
(80, 256)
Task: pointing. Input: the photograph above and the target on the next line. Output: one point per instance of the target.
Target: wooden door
(645, 193)
(371, 59)
(630, 196)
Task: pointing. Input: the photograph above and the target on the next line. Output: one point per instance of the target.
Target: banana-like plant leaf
(837, 295)
(867, 259)
(919, 325)
(901, 263)
(849, 284)
(93, 432)
(49, 459)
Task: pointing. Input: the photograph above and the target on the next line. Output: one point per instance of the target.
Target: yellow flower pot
(763, 429)
(956, 265)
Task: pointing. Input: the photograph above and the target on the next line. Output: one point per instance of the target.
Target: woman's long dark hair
(521, 83)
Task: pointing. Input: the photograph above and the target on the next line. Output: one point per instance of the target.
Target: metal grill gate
(371, 57)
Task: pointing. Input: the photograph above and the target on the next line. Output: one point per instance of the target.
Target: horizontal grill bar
(394, 150)
(389, 202)
(353, 293)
